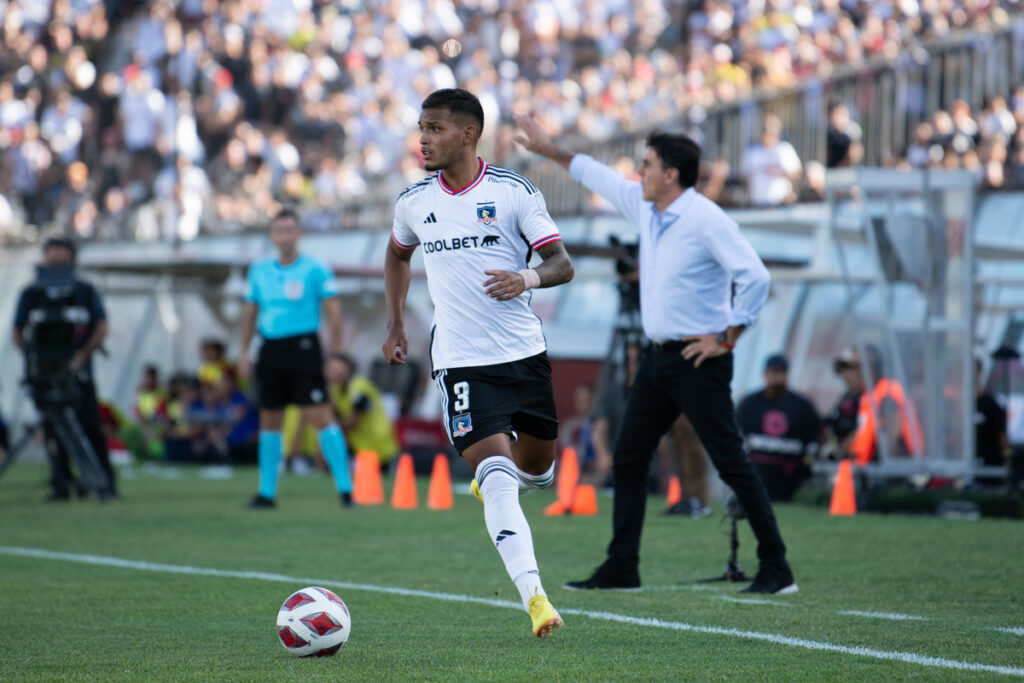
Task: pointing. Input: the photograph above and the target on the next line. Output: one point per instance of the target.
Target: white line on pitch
(894, 616)
(1015, 630)
(752, 601)
(889, 655)
(685, 587)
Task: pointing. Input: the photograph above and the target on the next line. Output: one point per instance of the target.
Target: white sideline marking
(752, 601)
(1015, 630)
(894, 616)
(684, 587)
(889, 655)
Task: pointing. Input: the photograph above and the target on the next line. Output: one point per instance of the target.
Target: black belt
(674, 345)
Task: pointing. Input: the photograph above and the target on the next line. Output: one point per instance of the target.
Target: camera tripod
(67, 431)
(733, 571)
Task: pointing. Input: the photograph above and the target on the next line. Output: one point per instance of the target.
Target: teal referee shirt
(289, 296)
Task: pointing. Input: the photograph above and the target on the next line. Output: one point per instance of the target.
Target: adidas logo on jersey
(430, 218)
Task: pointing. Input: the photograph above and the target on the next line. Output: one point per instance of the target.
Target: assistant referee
(285, 295)
(701, 285)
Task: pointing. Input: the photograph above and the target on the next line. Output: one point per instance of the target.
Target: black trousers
(87, 410)
(666, 385)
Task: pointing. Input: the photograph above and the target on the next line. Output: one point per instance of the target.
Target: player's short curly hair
(457, 101)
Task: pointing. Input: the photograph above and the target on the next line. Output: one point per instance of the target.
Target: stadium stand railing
(887, 97)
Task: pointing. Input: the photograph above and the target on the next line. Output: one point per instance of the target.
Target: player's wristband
(530, 278)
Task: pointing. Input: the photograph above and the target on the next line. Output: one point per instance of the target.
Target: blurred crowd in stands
(122, 119)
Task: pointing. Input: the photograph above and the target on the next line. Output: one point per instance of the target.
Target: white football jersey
(493, 223)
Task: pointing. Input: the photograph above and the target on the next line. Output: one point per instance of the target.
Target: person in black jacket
(85, 308)
(783, 431)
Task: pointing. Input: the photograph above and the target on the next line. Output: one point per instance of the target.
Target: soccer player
(287, 294)
(478, 226)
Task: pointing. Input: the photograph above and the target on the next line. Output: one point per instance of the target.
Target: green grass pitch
(70, 620)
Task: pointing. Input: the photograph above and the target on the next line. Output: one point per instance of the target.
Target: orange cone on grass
(568, 477)
(367, 487)
(675, 492)
(404, 497)
(439, 497)
(584, 500)
(844, 497)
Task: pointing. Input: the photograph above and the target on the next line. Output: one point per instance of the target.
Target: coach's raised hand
(535, 139)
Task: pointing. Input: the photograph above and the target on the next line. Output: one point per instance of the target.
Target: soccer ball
(313, 622)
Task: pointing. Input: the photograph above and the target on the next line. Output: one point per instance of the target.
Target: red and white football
(313, 622)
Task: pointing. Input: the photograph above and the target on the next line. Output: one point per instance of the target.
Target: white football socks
(499, 485)
(530, 482)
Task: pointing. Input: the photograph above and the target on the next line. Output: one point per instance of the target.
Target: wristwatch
(723, 340)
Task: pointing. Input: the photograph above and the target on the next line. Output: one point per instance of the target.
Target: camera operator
(82, 305)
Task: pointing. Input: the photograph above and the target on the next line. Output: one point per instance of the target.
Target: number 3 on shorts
(461, 391)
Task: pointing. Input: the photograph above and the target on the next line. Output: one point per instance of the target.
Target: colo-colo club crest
(486, 213)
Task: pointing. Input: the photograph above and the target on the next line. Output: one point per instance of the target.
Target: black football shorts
(507, 398)
(290, 371)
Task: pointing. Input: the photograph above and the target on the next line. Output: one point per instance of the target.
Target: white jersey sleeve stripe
(406, 247)
(546, 240)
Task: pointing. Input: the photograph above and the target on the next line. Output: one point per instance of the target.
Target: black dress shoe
(260, 502)
(602, 579)
(773, 580)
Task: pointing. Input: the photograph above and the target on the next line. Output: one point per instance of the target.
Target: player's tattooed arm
(556, 267)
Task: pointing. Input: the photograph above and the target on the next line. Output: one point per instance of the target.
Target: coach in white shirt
(701, 285)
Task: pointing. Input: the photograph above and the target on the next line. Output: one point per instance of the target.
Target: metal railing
(886, 97)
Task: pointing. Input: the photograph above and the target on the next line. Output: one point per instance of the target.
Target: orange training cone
(439, 497)
(367, 488)
(844, 498)
(675, 491)
(568, 477)
(403, 497)
(557, 508)
(584, 501)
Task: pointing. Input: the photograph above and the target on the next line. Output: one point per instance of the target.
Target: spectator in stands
(920, 153)
(179, 79)
(842, 139)
(782, 429)
(771, 167)
(812, 189)
(360, 409)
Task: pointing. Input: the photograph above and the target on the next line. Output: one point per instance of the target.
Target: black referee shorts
(507, 398)
(290, 371)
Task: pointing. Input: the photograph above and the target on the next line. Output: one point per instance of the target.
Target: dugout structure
(889, 262)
